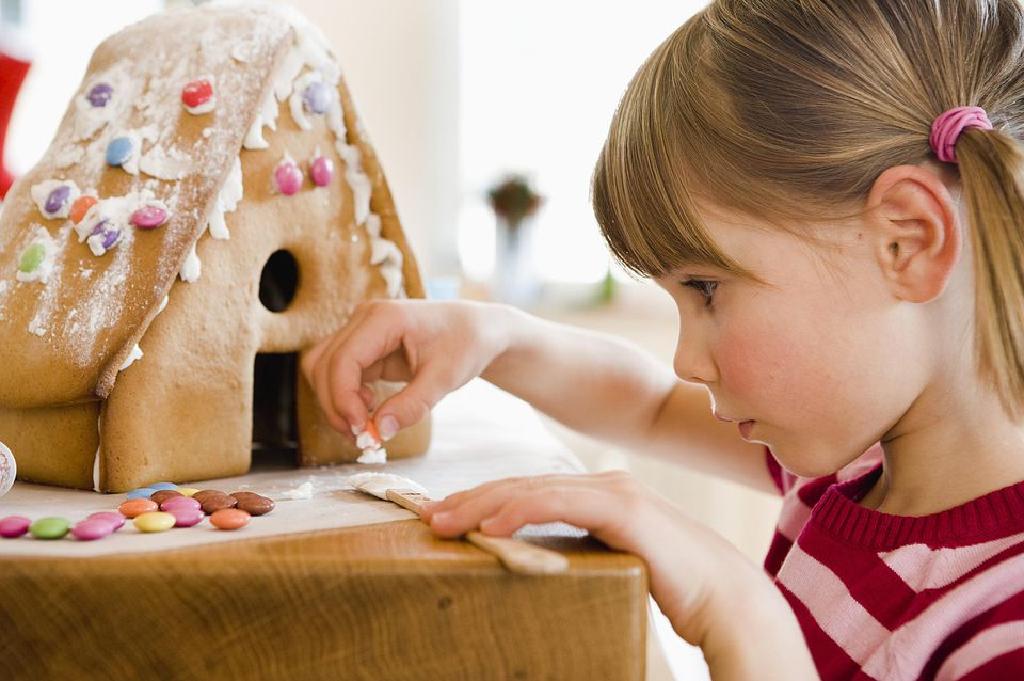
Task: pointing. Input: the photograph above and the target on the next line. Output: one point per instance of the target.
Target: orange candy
(229, 519)
(80, 207)
(136, 507)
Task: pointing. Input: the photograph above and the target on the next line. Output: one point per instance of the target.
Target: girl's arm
(714, 597)
(608, 388)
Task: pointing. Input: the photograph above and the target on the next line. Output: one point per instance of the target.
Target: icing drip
(227, 200)
(192, 268)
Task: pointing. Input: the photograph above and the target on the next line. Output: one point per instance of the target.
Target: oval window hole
(279, 281)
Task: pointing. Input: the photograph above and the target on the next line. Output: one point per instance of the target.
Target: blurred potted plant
(515, 204)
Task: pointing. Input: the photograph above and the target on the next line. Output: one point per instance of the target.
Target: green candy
(32, 258)
(49, 528)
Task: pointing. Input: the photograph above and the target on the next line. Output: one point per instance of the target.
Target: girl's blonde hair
(786, 108)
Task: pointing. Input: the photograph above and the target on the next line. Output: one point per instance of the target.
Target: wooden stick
(518, 556)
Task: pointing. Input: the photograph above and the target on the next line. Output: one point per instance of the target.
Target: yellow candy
(187, 491)
(154, 521)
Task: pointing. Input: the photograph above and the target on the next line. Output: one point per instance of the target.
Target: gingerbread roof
(154, 135)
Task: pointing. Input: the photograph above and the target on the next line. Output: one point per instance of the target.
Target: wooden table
(384, 602)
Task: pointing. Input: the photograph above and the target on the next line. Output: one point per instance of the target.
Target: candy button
(119, 150)
(179, 502)
(186, 517)
(100, 94)
(187, 491)
(162, 485)
(252, 503)
(112, 517)
(149, 217)
(229, 519)
(31, 258)
(197, 96)
(89, 530)
(316, 98)
(80, 207)
(288, 177)
(14, 526)
(56, 199)
(154, 521)
(142, 492)
(322, 171)
(213, 503)
(162, 495)
(49, 528)
(136, 507)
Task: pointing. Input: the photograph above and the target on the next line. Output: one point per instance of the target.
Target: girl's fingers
(458, 498)
(460, 513)
(591, 508)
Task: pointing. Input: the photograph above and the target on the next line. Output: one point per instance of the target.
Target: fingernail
(356, 430)
(388, 427)
(442, 517)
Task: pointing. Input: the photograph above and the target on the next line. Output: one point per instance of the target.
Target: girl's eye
(706, 289)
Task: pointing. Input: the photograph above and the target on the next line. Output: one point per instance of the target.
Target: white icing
(373, 456)
(165, 164)
(88, 118)
(40, 236)
(295, 101)
(47, 301)
(69, 156)
(96, 460)
(133, 356)
(192, 268)
(205, 107)
(303, 491)
(148, 133)
(387, 255)
(378, 484)
(40, 192)
(117, 211)
(227, 200)
(163, 304)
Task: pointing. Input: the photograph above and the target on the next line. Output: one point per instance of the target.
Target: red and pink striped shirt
(887, 597)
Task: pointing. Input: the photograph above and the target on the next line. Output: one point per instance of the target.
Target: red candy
(197, 93)
(322, 171)
(14, 526)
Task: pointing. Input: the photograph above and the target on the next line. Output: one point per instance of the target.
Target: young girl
(832, 192)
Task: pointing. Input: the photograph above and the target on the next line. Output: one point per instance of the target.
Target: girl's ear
(916, 232)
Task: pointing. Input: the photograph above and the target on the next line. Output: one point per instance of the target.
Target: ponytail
(992, 175)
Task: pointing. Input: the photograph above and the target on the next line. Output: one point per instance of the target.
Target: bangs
(642, 191)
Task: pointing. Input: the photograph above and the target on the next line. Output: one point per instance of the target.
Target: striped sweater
(896, 598)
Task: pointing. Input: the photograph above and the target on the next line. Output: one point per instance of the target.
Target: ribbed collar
(990, 516)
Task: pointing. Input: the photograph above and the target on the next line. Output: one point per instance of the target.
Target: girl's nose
(693, 361)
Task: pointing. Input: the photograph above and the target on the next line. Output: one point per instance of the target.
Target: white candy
(8, 469)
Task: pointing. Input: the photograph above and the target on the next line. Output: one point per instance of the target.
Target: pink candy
(92, 529)
(288, 177)
(14, 526)
(113, 517)
(185, 516)
(149, 217)
(322, 171)
(180, 502)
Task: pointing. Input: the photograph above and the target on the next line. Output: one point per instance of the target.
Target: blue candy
(163, 485)
(119, 150)
(317, 97)
(141, 493)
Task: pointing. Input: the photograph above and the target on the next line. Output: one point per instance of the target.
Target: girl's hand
(437, 346)
(696, 576)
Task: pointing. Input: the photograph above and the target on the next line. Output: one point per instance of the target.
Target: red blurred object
(12, 74)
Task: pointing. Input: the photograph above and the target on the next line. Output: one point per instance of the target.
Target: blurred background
(488, 117)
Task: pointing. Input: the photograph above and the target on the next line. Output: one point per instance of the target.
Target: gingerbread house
(209, 208)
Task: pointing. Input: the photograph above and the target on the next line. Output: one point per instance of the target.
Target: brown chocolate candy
(254, 504)
(163, 495)
(201, 495)
(215, 502)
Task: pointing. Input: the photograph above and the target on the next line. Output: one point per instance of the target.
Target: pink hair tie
(947, 128)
